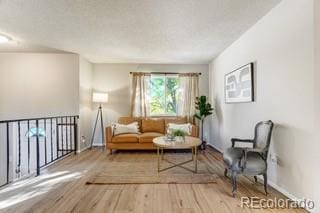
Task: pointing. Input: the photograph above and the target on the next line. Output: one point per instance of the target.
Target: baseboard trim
(284, 192)
(83, 149)
(280, 189)
(214, 147)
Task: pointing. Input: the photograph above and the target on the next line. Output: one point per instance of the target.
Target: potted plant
(179, 135)
(203, 109)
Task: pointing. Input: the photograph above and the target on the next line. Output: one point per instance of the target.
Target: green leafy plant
(178, 132)
(203, 109)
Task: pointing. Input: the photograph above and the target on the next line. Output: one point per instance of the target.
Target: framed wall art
(239, 85)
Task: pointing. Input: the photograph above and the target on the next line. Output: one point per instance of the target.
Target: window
(164, 94)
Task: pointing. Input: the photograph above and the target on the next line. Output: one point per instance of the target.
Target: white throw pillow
(118, 129)
(187, 128)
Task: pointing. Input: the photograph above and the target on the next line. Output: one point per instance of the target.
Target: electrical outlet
(274, 158)
(83, 139)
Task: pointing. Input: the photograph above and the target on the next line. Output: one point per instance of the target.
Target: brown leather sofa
(149, 128)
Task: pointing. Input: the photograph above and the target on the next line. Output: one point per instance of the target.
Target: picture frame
(239, 85)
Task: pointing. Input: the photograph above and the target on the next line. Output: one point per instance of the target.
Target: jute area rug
(134, 170)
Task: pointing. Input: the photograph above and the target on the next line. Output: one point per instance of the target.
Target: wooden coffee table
(190, 143)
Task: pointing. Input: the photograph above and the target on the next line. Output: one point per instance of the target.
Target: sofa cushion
(119, 129)
(152, 125)
(174, 120)
(125, 138)
(129, 120)
(187, 127)
(255, 163)
(148, 137)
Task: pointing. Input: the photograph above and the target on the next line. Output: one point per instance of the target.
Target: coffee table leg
(192, 149)
(158, 155)
(196, 159)
(162, 154)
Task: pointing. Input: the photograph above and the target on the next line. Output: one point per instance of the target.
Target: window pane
(164, 95)
(172, 85)
(157, 99)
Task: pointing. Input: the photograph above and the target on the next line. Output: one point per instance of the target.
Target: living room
(120, 106)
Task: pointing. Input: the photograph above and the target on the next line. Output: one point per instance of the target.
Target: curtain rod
(168, 73)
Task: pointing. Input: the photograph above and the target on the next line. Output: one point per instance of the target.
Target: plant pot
(179, 138)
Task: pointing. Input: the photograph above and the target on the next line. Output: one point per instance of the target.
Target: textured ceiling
(131, 31)
(22, 46)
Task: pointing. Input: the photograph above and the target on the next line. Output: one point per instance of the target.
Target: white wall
(281, 45)
(115, 79)
(38, 85)
(35, 85)
(85, 92)
(317, 95)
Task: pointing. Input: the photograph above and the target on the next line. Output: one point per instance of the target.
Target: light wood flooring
(62, 188)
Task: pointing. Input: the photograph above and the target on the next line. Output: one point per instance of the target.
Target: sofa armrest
(194, 131)
(108, 134)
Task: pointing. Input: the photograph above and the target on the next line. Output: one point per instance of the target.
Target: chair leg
(255, 179)
(226, 172)
(110, 151)
(234, 183)
(265, 180)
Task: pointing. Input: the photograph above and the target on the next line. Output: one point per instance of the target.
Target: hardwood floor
(62, 188)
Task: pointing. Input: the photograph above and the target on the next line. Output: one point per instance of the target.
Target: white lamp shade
(100, 97)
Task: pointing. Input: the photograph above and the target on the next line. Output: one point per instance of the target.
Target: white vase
(179, 138)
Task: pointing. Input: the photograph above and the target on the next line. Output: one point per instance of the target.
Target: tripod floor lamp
(99, 98)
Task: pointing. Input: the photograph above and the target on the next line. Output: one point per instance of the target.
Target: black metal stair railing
(28, 145)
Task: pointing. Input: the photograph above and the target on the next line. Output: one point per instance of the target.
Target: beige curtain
(189, 90)
(140, 91)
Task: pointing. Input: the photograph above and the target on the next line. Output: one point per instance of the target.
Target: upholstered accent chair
(249, 161)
